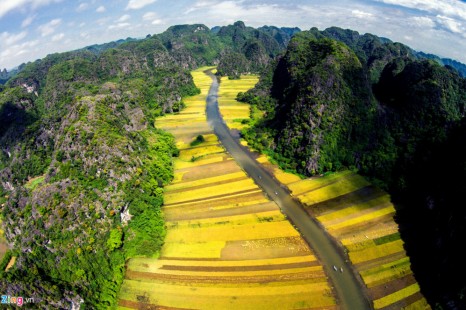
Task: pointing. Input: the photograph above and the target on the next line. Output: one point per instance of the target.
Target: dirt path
(350, 290)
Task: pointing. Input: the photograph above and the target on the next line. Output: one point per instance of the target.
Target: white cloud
(104, 21)
(9, 54)
(10, 39)
(11, 5)
(84, 35)
(58, 37)
(82, 7)
(153, 18)
(123, 18)
(27, 21)
(49, 28)
(149, 16)
(450, 8)
(450, 24)
(361, 14)
(100, 9)
(119, 26)
(227, 12)
(199, 5)
(422, 21)
(138, 4)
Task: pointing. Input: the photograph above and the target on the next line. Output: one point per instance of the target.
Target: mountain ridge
(282, 35)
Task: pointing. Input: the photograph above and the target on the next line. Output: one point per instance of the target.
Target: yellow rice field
(211, 249)
(343, 186)
(359, 224)
(241, 219)
(210, 191)
(356, 225)
(282, 176)
(313, 183)
(380, 274)
(232, 110)
(249, 296)
(232, 232)
(370, 214)
(211, 180)
(145, 264)
(227, 246)
(399, 295)
(376, 252)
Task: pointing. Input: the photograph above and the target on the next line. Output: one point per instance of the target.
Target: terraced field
(360, 217)
(233, 111)
(227, 245)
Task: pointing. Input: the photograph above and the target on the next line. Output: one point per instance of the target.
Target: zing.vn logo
(12, 300)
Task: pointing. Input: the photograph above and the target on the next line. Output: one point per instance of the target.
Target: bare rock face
(125, 216)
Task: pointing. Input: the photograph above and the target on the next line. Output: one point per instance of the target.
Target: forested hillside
(234, 48)
(337, 99)
(82, 167)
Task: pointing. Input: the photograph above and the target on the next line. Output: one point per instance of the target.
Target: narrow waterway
(351, 292)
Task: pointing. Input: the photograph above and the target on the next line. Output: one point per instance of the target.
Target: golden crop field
(397, 296)
(381, 273)
(227, 245)
(233, 111)
(236, 296)
(360, 217)
(358, 223)
(340, 187)
(366, 215)
(314, 183)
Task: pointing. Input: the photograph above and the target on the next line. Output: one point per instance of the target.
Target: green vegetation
(339, 100)
(237, 48)
(199, 139)
(86, 169)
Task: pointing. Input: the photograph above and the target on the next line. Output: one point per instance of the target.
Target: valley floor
(227, 245)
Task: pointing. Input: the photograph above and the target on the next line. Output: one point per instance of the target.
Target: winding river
(351, 292)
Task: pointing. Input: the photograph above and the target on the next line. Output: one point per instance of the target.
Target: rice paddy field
(361, 218)
(233, 111)
(227, 245)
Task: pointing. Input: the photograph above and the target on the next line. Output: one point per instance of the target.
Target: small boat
(335, 267)
(341, 269)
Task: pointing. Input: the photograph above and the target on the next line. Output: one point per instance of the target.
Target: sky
(32, 29)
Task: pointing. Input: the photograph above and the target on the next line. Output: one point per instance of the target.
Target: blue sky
(31, 29)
